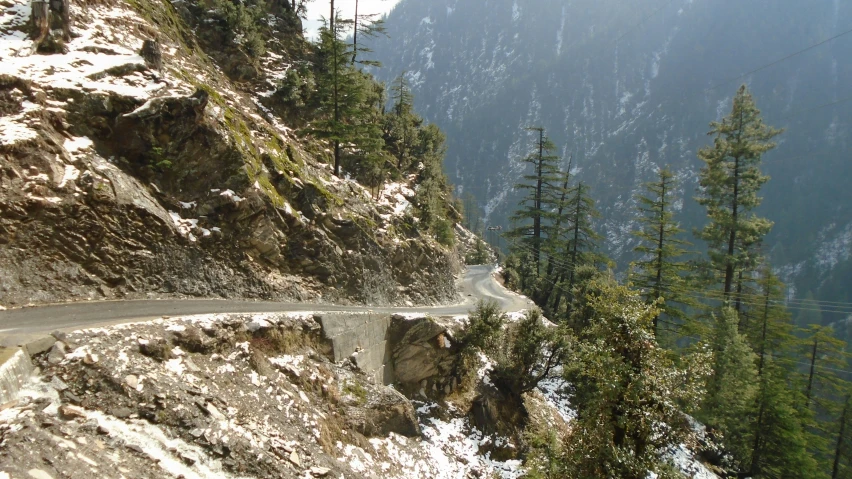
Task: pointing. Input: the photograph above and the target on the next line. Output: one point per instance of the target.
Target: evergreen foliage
(780, 441)
(344, 95)
(660, 272)
(530, 352)
(629, 388)
(538, 200)
(401, 124)
(730, 182)
(240, 22)
(484, 328)
(580, 248)
(729, 405)
(479, 255)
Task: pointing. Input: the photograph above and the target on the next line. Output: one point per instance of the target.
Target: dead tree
(152, 54)
(46, 17)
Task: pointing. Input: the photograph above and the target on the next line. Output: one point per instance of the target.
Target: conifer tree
(730, 182)
(658, 273)
(780, 441)
(629, 389)
(581, 247)
(771, 332)
(841, 465)
(555, 243)
(401, 124)
(732, 389)
(826, 356)
(538, 199)
(347, 117)
(368, 25)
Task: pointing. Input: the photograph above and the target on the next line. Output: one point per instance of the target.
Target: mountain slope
(145, 155)
(626, 88)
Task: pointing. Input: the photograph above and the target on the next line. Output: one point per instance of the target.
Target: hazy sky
(321, 8)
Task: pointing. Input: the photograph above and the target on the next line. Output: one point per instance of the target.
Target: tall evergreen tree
(732, 389)
(555, 243)
(629, 389)
(367, 25)
(401, 123)
(826, 358)
(581, 247)
(841, 464)
(659, 273)
(347, 115)
(770, 333)
(538, 199)
(730, 182)
(780, 441)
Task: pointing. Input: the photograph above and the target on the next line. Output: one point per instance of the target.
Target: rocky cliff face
(241, 396)
(138, 159)
(626, 87)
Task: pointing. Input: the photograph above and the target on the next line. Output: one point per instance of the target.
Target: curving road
(478, 283)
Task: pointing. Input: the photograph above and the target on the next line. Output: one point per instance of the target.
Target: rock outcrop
(128, 176)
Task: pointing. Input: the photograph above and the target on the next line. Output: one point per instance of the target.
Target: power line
(745, 298)
(818, 107)
(776, 62)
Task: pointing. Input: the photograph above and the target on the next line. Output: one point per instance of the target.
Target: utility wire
(780, 60)
(746, 298)
(557, 286)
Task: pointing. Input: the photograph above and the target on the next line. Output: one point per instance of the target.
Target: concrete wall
(364, 334)
(15, 370)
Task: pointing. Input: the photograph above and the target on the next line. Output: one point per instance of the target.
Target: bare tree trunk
(41, 21)
(63, 7)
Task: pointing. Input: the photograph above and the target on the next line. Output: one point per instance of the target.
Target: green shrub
(528, 353)
(485, 328)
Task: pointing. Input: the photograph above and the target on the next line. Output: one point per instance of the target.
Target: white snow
(71, 174)
(396, 196)
(231, 195)
(184, 226)
(554, 390)
(453, 447)
(73, 145)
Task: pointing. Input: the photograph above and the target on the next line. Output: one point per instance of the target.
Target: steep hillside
(626, 87)
(146, 152)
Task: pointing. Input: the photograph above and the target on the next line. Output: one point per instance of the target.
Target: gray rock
(132, 381)
(57, 353)
(39, 474)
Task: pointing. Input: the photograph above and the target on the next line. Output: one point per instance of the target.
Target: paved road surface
(15, 324)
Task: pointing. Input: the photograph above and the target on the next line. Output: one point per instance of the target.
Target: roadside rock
(424, 358)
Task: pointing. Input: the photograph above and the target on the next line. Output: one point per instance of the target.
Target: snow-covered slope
(174, 172)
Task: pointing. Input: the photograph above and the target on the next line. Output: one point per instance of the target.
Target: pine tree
(368, 25)
(730, 182)
(659, 274)
(780, 441)
(628, 387)
(770, 333)
(581, 247)
(401, 123)
(536, 203)
(556, 230)
(433, 193)
(841, 465)
(732, 389)
(347, 113)
(826, 357)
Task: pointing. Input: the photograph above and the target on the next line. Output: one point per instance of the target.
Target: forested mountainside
(623, 88)
(152, 148)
